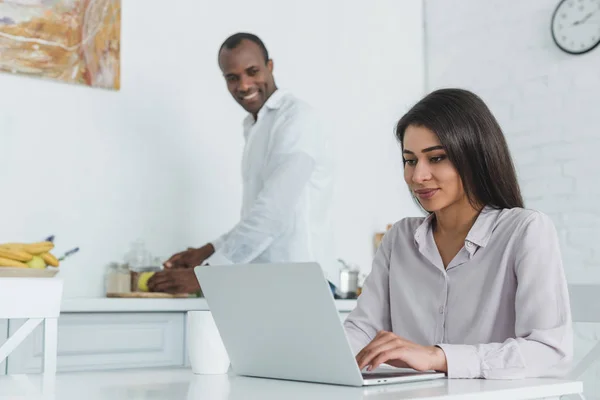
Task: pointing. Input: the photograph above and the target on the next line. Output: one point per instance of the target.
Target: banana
(6, 262)
(31, 248)
(50, 259)
(15, 254)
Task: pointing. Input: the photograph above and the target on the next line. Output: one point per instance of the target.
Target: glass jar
(141, 266)
(117, 279)
(138, 256)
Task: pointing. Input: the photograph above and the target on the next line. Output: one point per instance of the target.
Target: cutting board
(148, 295)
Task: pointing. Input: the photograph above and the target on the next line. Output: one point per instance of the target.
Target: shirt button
(469, 245)
(441, 309)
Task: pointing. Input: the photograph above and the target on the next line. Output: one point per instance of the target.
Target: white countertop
(102, 304)
(174, 384)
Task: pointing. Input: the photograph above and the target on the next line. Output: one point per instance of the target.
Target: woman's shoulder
(521, 217)
(407, 226)
(513, 220)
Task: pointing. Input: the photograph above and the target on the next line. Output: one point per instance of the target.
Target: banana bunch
(27, 255)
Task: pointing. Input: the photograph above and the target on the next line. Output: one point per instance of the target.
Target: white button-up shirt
(500, 310)
(287, 174)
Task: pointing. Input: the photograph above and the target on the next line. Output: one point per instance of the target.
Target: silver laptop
(280, 321)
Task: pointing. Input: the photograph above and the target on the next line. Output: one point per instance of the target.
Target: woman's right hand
(189, 258)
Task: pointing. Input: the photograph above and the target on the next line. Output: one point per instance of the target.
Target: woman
(477, 288)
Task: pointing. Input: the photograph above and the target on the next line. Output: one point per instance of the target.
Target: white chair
(585, 307)
(37, 300)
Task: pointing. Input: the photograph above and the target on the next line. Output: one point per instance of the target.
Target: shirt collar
(479, 234)
(422, 230)
(272, 103)
(482, 229)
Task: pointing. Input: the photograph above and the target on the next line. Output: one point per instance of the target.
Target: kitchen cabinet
(105, 341)
(3, 337)
(108, 334)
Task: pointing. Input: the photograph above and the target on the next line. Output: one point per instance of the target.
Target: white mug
(205, 348)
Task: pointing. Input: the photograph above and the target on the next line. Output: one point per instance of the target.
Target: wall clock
(576, 25)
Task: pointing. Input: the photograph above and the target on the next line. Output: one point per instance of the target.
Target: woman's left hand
(391, 349)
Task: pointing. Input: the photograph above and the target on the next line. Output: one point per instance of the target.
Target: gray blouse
(499, 311)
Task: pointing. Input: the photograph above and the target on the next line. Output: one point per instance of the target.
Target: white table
(174, 384)
(38, 301)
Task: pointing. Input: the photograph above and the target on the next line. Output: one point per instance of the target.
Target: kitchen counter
(98, 334)
(112, 305)
(180, 383)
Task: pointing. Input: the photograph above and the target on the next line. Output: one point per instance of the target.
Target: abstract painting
(74, 41)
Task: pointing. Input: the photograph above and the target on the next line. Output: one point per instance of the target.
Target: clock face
(576, 25)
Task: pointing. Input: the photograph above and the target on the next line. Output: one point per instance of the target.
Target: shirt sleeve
(289, 167)
(218, 242)
(543, 342)
(372, 311)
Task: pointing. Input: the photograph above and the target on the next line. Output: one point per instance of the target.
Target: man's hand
(174, 281)
(189, 258)
(393, 350)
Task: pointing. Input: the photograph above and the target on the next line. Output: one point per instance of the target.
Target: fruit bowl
(28, 260)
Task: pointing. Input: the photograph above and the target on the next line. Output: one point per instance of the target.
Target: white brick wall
(548, 103)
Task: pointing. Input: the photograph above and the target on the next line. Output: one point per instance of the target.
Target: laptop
(280, 321)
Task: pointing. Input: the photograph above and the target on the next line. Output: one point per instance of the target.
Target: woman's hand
(391, 349)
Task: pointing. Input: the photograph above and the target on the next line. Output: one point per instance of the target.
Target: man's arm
(252, 235)
(289, 167)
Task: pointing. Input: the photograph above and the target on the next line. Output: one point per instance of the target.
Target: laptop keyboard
(391, 374)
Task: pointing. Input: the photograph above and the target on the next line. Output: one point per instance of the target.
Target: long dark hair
(474, 143)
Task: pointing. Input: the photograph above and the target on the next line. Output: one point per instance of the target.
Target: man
(286, 174)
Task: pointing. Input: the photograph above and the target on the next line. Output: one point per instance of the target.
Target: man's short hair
(234, 41)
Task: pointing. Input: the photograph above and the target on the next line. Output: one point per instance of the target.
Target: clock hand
(588, 16)
(583, 20)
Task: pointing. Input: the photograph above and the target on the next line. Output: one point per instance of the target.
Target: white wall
(547, 103)
(159, 160)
